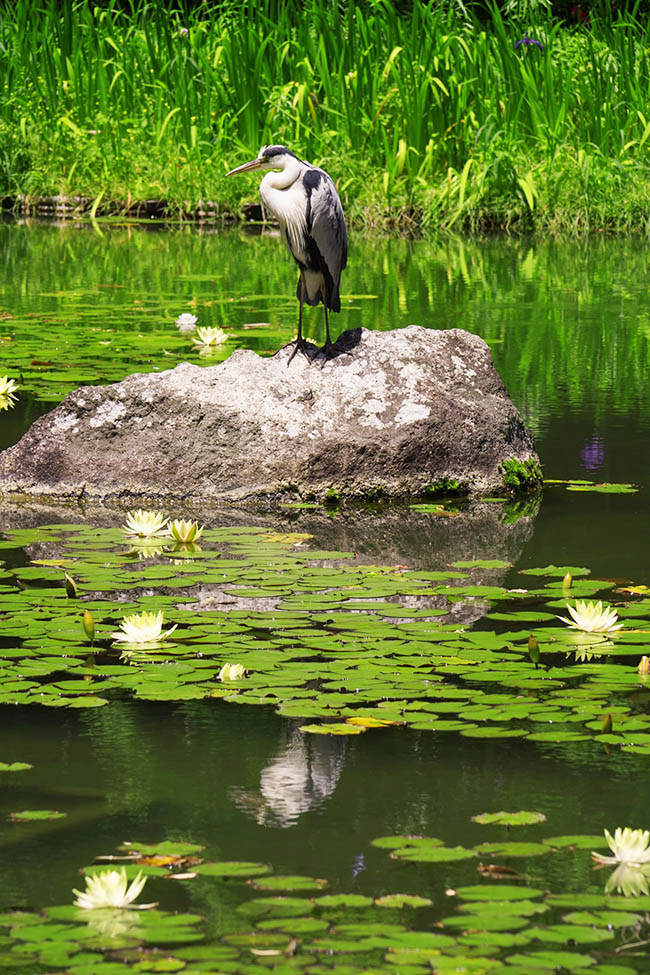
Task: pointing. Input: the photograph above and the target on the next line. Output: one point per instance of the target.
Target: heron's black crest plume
(267, 152)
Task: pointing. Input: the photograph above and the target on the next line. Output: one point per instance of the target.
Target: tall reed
(428, 110)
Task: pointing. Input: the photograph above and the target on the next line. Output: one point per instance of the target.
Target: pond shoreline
(408, 221)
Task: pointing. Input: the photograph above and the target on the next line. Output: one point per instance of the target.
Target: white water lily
(185, 531)
(109, 888)
(8, 386)
(145, 524)
(210, 336)
(7, 392)
(590, 617)
(628, 880)
(142, 628)
(629, 846)
(148, 548)
(186, 322)
(232, 672)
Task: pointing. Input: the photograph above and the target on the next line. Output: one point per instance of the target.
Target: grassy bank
(428, 118)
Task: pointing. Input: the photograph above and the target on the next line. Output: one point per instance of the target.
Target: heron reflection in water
(301, 776)
(305, 203)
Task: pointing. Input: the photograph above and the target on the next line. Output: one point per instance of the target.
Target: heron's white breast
(289, 206)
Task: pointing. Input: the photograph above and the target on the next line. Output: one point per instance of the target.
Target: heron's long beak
(247, 167)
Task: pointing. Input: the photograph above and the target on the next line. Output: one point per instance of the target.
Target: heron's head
(269, 157)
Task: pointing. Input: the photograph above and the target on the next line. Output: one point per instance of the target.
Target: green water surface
(337, 614)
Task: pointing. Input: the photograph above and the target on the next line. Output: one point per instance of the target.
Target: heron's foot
(330, 351)
(303, 347)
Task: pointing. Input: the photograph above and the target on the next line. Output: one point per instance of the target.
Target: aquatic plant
(186, 322)
(142, 628)
(8, 389)
(629, 846)
(109, 888)
(185, 531)
(8, 386)
(232, 672)
(88, 624)
(589, 616)
(437, 116)
(210, 336)
(145, 524)
(628, 880)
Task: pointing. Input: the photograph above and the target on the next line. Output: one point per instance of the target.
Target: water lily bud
(566, 582)
(232, 672)
(644, 665)
(70, 587)
(88, 625)
(607, 724)
(533, 650)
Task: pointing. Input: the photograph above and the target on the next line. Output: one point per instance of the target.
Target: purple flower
(528, 41)
(592, 454)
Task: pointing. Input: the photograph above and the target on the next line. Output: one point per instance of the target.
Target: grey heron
(304, 200)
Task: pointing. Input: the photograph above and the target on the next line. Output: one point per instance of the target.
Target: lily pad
(233, 868)
(288, 882)
(403, 900)
(512, 849)
(34, 815)
(522, 818)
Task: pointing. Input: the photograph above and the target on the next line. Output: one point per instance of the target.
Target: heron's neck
(286, 177)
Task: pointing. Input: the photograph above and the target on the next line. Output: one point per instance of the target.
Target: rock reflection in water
(303, 774)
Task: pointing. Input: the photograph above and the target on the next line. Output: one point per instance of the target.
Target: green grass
(425, 118)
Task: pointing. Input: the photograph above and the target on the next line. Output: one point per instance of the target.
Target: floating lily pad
(604, 488)
(551, 961)
(343, 900)
(557, 571)
(34, 815)
(332, 729)
(426, 853)
(276, 907)
(497, 892)
(512, 849)
(233, 868)
(288, 882)
(578, 841)
(522, 818)
(403, 900)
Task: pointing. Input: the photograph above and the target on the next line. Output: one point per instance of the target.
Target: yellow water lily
(142, 628)
(232, 672)
(185, 531)
(109, 888)
(590, 617)
(629, 846)
(210, 336)
(145, 524)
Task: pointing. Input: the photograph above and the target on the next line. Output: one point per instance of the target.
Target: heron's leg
(329, 345)
(300, 345)
(328, 341)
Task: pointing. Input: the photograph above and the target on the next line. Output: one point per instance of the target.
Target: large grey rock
(397, 413)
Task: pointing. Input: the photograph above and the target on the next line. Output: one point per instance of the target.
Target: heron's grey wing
(326, 222)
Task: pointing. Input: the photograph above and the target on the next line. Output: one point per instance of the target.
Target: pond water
(390, 614)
